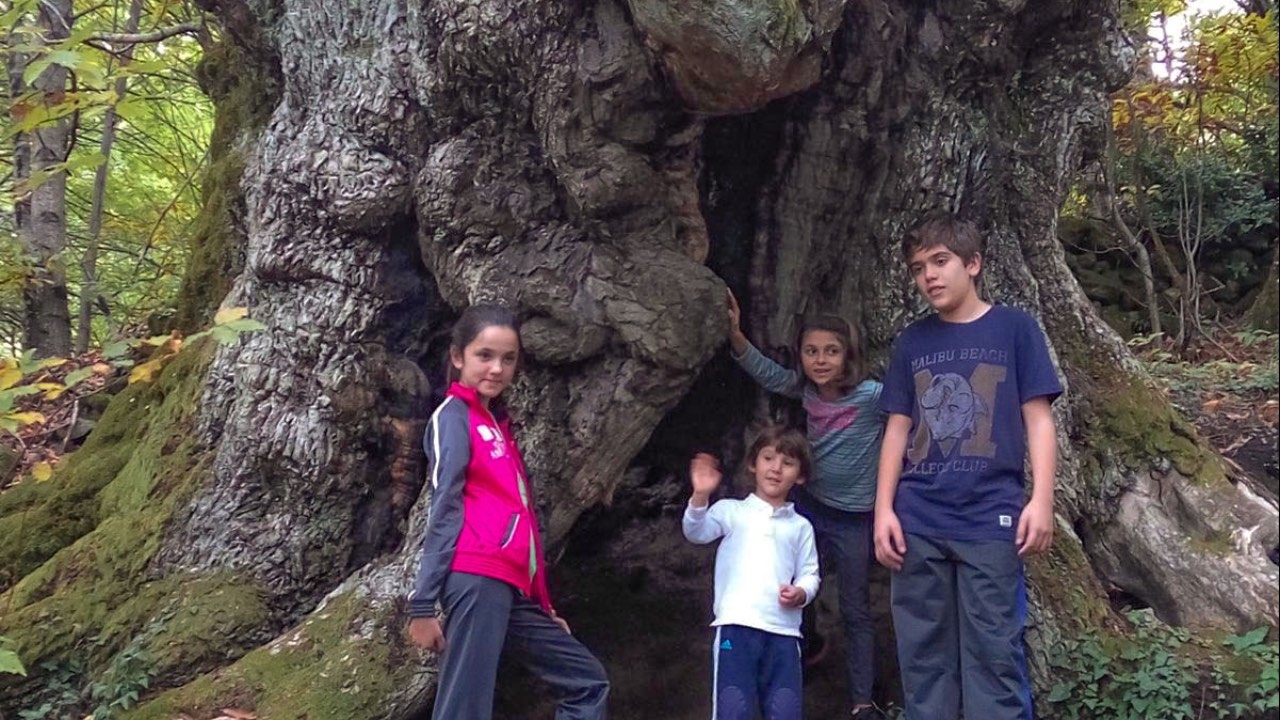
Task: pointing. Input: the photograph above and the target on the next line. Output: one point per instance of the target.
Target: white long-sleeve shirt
(764, 548)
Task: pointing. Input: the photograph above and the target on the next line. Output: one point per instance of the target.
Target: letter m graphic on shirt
(954, 410)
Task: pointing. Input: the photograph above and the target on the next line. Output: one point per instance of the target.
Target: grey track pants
(481, 616)
(959, 608)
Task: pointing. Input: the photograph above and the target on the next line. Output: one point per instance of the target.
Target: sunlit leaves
(1224, 86)
(81, 61)
(13, 372)
(228, 325)
(42, 471)
(1197, 140)
(154, 173)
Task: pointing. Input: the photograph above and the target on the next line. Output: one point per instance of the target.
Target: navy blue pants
(845, 547)
(481, 615)
(754, 668)
(959, 609)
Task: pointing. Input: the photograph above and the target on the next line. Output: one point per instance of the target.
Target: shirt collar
(471, 397)
(759, 505)
(466, 394)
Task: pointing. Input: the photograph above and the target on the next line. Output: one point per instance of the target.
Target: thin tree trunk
(1142, 259)
(1137, 251)
(89, 263)
(1176, 277)
(42, 223)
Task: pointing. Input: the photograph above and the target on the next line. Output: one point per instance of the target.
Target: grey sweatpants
(959, 608)
(481, 615)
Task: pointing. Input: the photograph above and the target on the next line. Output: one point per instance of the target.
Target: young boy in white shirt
(766, 571)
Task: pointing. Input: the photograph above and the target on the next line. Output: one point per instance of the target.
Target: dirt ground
(1227, 386)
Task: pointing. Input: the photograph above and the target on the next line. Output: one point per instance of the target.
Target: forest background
(104, 172)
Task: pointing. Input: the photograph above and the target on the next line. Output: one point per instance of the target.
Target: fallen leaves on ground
(1226, 385)
(48, 411)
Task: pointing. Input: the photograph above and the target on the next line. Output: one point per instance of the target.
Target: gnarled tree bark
(560, 157)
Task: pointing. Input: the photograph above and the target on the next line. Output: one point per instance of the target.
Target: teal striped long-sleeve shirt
(844, 433)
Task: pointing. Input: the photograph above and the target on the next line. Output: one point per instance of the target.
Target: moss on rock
(1264, 313)
(119, 458)
(1064, 586)
(76, 551)
(1128, 421)
(338, 664)
(93, 595)
(1142, 428)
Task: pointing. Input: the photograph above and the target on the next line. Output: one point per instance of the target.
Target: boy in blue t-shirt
(968, 395)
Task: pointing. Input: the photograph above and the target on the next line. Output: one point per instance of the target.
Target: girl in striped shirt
(844, 428)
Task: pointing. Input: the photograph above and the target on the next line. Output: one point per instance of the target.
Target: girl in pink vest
(481, 558)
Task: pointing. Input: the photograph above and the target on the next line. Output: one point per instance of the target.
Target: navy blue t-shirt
(963, 386)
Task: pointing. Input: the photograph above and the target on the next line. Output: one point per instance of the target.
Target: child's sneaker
(867, 712)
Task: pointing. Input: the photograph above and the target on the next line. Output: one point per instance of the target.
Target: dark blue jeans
(844, 547)
(753, 667)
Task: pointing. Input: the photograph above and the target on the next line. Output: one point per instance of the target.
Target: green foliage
(1193, 171)
(1212, 191)
(1159, 672)
(1223, 374)
(62, 690)
(1261, 697)
(154, 173)
(124, 681)
(70, 690)
(1137, 14)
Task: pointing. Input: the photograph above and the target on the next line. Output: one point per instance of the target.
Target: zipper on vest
(511, 530)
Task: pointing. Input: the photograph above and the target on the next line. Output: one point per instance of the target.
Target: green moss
(91, 596)
(1127, 420)
(244, 96)
(1065, 585)
(337, 664)
(1135, 424)
(39, 519)
(786, 25)
(206, 622)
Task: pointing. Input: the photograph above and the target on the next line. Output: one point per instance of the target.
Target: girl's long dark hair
(472, 322)
(855, 365)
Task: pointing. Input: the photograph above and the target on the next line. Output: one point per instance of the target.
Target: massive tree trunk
(597, 165)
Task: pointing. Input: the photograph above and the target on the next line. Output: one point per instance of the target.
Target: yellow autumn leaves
(24, 376)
